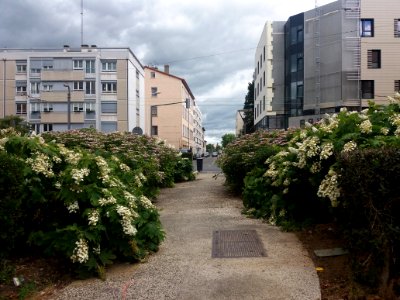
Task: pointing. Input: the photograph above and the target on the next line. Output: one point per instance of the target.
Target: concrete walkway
(184, 268)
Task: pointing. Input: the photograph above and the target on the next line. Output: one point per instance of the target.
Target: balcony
(62, 75)
(61, 96)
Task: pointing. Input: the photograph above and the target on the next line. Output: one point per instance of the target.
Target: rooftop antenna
(81, 22)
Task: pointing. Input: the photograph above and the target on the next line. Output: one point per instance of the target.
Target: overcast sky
(210, 43)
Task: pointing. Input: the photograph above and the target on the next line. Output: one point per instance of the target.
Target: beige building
(72, 88)
(173, 114)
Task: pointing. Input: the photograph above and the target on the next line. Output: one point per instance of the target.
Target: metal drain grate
(236, 243)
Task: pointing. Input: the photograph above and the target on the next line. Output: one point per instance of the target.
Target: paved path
(184, 268)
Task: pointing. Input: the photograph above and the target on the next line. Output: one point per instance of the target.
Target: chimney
(166, 69)
(66, 48)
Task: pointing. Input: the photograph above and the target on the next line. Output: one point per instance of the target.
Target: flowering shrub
(301, 170)
(85, 200)
(244, 154)
(302, 180)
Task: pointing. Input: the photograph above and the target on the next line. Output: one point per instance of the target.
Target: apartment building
(174, 115)
(72, 88)
(342, 54)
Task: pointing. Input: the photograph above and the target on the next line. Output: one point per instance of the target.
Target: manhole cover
(236, 243)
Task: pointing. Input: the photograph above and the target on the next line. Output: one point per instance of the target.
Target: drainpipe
(4, 87)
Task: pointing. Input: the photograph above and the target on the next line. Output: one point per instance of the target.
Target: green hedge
(84, 200)
(370, 215)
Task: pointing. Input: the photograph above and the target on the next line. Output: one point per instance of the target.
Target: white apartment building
(72, 88)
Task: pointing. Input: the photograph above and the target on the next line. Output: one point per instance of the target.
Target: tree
(249, 109)
(227, 138)
(18, 123)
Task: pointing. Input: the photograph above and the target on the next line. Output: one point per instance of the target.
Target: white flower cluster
(395, 99)
(107, 201)
(330, 123)
(124, 167)
(384, 130)
(73, 207)
(41, 164)
(96, 250)
(79, 174)
(3, 141)
(93, 217)
(127, 216)
(395, 120)
(272, 172)
(327, 151)
(131, 200)
(329, 188)
(349, 146)
(146, 203)
(315, 167)
(81, 252)
(71, 157)
(138, 182)
(57, 185)
(366, 126)
(309, 146)
(104, 169)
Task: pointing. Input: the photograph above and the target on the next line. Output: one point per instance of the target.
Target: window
(154, 130)
(152, 74)
(78, 85)
(47, 107)
(90, 107)
(47, 87)
(154, 92)
(90, 66)
(35, 87)
(47, 127)
(263, 103)
(397, 85)
(90, 88)
(261, 61)
(35, 108)
(374, 59)
(367, 28)
(77, 107)
(78, 64)
(21, 90)
(35, 71)
(264, 79)
(396, 28)
(367, 89)
(109, 66)
(264, 53)
(154, 111)
(300, 64)
(109, 107)
(21, 68)
(109, 87)
(21, 108)
(109, 126)
(137, 74)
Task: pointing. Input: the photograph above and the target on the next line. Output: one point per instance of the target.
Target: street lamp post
(68, 106)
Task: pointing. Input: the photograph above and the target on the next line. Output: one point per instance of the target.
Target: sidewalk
(184, 267)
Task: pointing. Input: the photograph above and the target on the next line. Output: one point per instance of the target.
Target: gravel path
(184, 268)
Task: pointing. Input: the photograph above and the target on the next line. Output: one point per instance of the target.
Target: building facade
(72, 88)
(174, 115)
(342, 54)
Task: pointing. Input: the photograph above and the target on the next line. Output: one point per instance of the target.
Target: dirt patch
(37, 278)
